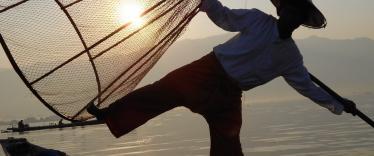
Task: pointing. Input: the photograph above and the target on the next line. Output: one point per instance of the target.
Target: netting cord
(12, 6)
(72, 3)
(95, 44)
(166, 41)
(174, 35)
(85, 47)
(23, 78)
(133, 33)
(171, 36)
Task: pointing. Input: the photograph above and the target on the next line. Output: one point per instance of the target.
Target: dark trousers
(203, 87)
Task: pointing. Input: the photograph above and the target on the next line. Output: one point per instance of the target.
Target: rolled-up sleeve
(299, 79)
(233, 20)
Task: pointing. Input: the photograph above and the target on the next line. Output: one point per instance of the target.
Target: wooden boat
(73, 124)
(21, 147)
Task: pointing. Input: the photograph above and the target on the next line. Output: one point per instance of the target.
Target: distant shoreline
(28, 120)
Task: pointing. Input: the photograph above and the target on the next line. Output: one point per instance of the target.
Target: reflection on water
(298, 128)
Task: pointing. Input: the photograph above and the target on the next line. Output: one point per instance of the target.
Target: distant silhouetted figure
(21, 125)
(212, 86)
(60, 123)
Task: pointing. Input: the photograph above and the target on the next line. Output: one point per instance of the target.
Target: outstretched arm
(299, 79)
(233, 20)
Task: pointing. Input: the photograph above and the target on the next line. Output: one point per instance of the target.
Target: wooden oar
(340, 99)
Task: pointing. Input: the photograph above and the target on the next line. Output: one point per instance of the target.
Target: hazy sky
(346, 19)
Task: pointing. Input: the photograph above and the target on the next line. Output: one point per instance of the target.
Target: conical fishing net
(73, 52)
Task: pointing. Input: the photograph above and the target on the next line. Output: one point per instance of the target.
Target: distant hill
(345, 65)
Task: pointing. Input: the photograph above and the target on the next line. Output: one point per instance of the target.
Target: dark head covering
(315, 19)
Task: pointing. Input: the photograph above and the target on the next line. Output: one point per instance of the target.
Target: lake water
(293, 128)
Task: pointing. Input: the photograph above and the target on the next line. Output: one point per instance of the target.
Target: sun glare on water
(130, 12)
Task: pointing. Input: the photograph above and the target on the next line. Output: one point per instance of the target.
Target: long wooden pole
(340, 99)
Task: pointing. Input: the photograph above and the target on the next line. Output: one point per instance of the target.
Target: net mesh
(73, 52)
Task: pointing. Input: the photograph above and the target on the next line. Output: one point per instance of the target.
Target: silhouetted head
(293, 13)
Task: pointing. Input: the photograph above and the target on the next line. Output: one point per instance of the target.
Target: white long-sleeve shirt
(256, 55)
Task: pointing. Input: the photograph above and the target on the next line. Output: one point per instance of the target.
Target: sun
(130, 12)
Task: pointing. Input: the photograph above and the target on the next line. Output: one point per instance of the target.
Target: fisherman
(60, 123)
(21, 125)
(212, 85)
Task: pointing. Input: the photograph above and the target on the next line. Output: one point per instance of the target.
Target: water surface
(293, 128)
